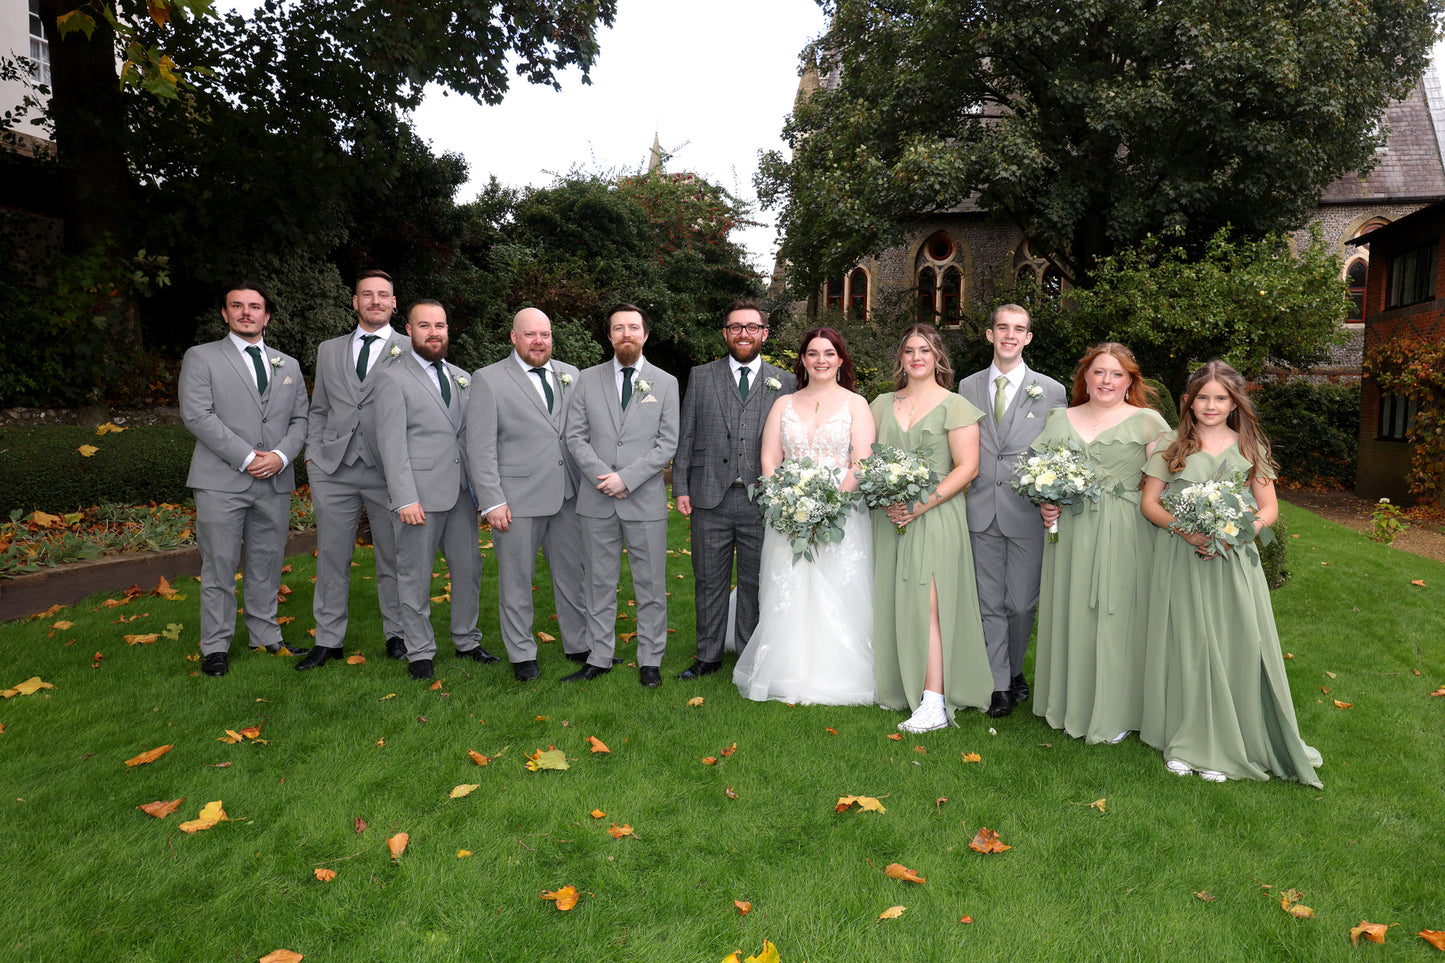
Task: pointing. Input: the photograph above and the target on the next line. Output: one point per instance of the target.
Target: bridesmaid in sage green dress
(1217, 700)
(1093, 596)
(928, 651)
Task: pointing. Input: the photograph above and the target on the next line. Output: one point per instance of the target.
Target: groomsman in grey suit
(421, 419)
(246, 405)
(1004, 528)
(718, 456)
(526, 484)
(622, 432)
(345, 470)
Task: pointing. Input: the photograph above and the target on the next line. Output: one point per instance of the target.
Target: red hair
(1139, 394)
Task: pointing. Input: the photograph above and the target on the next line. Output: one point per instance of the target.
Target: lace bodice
(831, 445)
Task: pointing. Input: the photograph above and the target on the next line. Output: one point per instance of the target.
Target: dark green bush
(1274, 557)
(42, 468)
(1314, 429)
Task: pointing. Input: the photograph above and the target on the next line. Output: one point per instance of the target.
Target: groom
(718, 456)
(1004, 528)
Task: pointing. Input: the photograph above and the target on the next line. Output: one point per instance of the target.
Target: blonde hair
(1253, 444)
(942, 365)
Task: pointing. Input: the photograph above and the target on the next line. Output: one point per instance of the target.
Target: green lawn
(89, 877)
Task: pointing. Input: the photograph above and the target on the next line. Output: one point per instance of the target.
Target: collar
(1015, 377)
(636, 367)
(424, 362)
(384, 333)
(755, 366)
(527, 369)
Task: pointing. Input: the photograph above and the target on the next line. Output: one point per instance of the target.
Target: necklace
(817, 401)
(900, 400)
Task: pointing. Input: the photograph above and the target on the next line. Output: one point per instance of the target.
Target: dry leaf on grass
(357, 659)
(729, 750)
(466, 789)
(972, 757)
(617, 832)
(550, 758)
(709, 760)
(597, 745)
(324, 874)
(565, 898)
(896, 736)
(282, 956)
(1374, 932)
(987, 841)
(396, 845)
(145, 639)
(863, 802)
(597, 814)
(1343, 705)
(744, 908)
(1204, 896)
(1290, 903)
(211, 814)
(892, 913)
(463, 853)
(769, 953)
(695, 701)
(901, 872)
(728, 792)
(1098, 804)
(147, 757)
(1435, 938)
(360, 825)
(160, 808)
(30, 686)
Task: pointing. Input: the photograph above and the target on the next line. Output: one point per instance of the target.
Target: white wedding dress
(814, 640)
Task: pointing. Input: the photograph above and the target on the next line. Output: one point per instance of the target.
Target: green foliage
(1415, 368)
(1164, 402)
(1274, 556)
(312, 303)
(1091, 123)
(42, 468)
(1313, 428)
(1385, 522)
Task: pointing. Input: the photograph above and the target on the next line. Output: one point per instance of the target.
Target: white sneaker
(1179, 767)
(925, 719)
(1209, 775)
(1121, 737)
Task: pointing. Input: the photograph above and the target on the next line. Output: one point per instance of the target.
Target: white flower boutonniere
(566, 380)
(462, 381)
(773, 383)
(1034, 391)
(276, 361)
(644, 387)
(395, 351)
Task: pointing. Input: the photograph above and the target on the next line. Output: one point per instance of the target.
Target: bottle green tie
(365, 355)
(541, 374)
(255, 354)
(1001, 382)
(743, 382)
(443, 383)
(626, 386)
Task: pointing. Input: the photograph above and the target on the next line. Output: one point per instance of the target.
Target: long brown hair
(831, 335)
(1140, 395)
(1253, 444)
(942, 365)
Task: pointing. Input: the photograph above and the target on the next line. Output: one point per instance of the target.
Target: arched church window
(950, 299)
(833, 295)
(940, 247)
(1356, 278)
(858, 294)
(927, 292)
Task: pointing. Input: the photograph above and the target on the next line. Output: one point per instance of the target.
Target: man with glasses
(718, 457)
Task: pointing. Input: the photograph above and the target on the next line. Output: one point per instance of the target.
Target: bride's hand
(901, 513)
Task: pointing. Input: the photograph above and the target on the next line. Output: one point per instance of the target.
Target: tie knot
(628, 371)
(366, 339)
(254, 351)
(539, 371)
(1000, 381)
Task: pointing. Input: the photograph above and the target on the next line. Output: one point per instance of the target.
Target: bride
(814, 640)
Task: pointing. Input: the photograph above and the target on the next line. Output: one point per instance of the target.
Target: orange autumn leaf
(987, 841)
(324, 874)
(901, 872)
(282, 956)
(30, 686)
(965, 919)
(832, 731)
(709, 760)
(597, 745)
(478, 758)
(728, 792)
(695, 701)
(544, 637)
(62, 625)
(1343, 705)
(360, 825)
(597, 814)
(1418, 581)
(972, 757)
(1374, 932)
(396, 845)
(251, 732)
(161, 809)
(1439, 692)
(896, 736)
(892, 913)
(864, 803)
(357, 659)
(566, 897)
(436, 685)
(87, 451)
(744, 908)
(729, 750)
(920, 749)
(1290, 903)
(1435, 938)
(617, 832)
(463, 853)
(149, 756)
(211, 814)
(769, 952)
(145, 639)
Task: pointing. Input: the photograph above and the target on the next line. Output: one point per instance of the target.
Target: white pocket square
(1029, 415)
(287, 381)
(646, 399)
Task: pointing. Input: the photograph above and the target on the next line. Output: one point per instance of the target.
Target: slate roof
(1410, 165)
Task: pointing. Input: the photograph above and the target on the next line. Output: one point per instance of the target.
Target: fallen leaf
(43, 519)
(87, 451)
(540, 719)
(108, 427)
(544, 637)
(769, 953)
(1326, 689)
(478, 758)
(551, 758)
(435, 685)
(1290, 903)
(389, 695)
(597, 814)
(695, 701)
(743, 908)
(892, 913)
(938, 803)
(231, 737)
(357, 659)
(972, 757)
(1098, 804)
(597, 745)
(380, 743)
(1343, 705)
(832, 731)
(161, 809)
(617, 832)
(396, 845)
(1374, 932)
(211, 814)
(1435, 938)
(30, 686)
(466, 789)
(325, 875)
(709, 760)
(282, 956)
(729, 750)
(463, 853)
(360, 825)
(1439, 692)
(1204, 896)
(1420, 582)
(987, 841)
(62, 625)
(965, 919)
(896, 736)
(899, 871)
(149, 756)
(173, 631)
(1329, 673)
(868, 803)
(566, 897)
(920, 749)
(728, 792)
(145, 639)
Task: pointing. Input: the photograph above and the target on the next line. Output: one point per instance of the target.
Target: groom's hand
(684, 504)
(611, 484)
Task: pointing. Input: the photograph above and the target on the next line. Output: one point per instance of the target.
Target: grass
(91, 878)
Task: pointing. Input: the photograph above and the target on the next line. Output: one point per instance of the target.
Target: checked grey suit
(518, 455)
(345, 473)
(235, 511)
(636, 444)
(718, 456)
(423, 456)
(1004, 528)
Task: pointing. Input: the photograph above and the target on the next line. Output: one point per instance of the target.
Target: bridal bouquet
(891, 475)
(802, 502)
(1059, 475)
(1221, 508)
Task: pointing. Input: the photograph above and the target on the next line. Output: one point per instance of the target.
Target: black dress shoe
(478, 654)
(420, 669)
(585, 674)
(525, 671)
(649, 676)
(1018, 687)
(698, 669)
(583, 656)
(395, 648)
(1001, 704)
(319, 656)
(216, 664)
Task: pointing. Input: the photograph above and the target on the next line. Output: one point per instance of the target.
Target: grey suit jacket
(1000, 446)
(721, 435)
(637, 444)
(337, 433)
(515, 447)
(421, 440)
(220, 406)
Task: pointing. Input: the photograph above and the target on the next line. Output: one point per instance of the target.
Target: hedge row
(1314, 428)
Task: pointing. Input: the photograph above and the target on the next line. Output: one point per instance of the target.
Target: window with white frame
(39, 46)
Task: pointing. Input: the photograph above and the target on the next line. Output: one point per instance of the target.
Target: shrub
(1314, 429)
(1274, 557)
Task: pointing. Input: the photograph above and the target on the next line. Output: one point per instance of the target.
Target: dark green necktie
(541, 374)
(626, 386)
(365, 355)
(443, 383)
(255, 354)
(743, 382)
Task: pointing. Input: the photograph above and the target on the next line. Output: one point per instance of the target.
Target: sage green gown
(934, 550)
(1216, 693)
(1094, 592)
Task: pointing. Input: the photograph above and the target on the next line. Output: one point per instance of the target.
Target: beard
(431, 352)
(628, 353)
(742, 356)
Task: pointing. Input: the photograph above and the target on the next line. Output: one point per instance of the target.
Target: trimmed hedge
(42, 468)
(1274, 557)
(1314, 429)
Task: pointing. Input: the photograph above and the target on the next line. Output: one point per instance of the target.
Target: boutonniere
(462, 381)
(773, 383)
(644, 387)
(566, 380)
(276, 361)
(395, 351)
(1034, 391)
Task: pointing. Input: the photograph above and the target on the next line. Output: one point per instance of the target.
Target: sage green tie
(626, 386)
(1001, 382)
(255, 353)
(541, 374)
(743, 382)
(365, 355)
(443, 383)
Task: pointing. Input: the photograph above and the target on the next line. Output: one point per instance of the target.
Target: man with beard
(345, 470)
(622, 433)
(526, 484)
(718, 457)
(421, 417)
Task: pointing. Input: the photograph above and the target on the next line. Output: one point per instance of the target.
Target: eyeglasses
(749, 328)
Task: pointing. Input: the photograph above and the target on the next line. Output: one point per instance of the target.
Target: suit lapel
(525, 382)
(1016, 411)
(459, 403)
(614, 400)
(245, 370)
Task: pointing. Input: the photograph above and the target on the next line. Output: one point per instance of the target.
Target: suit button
(725, 461)
(559, 461)
(619, 444)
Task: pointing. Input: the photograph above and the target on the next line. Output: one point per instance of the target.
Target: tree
(1089, 123)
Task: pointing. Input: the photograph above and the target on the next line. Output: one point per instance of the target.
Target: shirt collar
(384, 333)
(242, 344)
(755, 366)
(528, 368)
(1015, 377)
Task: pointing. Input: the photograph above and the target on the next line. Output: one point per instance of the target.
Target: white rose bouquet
(802, 502)
(891, 475)
(1222, 509)
(1060, 474)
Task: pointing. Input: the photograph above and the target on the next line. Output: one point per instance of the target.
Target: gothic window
(858, 294)
(833, 295)
(1052, 283)
(39, 46)
(940, 247)
(950, 295)
(927, 292)
(1356, 278)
